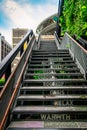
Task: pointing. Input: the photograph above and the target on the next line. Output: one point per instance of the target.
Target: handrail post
(21, 51)
(8, 72)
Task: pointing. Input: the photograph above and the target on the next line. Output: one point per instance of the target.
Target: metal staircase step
(52, 55)
(52, 97)
(44, 113)
(49, 75)
(47, 58)
(44, 109)
(53, 90)
(60, 62)
(54, 74)
(49, 49)
(53, 64)
(43, 47)
(43, 88)
(53, 52)
(56, 80)
(57, 70)
(37, 125)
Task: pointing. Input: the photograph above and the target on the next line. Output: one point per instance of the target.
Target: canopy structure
(47, 26)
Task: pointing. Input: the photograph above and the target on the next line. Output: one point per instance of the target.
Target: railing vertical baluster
(8, 72)
(21, 51)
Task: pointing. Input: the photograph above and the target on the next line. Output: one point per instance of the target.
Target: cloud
(27, 15)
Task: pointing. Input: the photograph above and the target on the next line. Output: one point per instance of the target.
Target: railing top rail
(9, 58)
(76, 43)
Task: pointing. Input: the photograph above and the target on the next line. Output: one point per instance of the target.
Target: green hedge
(74, 17)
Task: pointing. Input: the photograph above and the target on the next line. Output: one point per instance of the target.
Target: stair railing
(78, 53)
(57, 40)
(10, 90)
(38, 40)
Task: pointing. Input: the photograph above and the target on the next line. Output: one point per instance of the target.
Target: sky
(24, 14)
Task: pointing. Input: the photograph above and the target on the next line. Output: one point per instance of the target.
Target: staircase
(53, 93)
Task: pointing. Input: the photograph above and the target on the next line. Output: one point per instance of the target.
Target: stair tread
(27, 124)
(66, 61)
(59, 50)
(52, 97)
(50, 54)
(49, 109)
(47, 64)
(56, 80)
(58, 74)
(53, 58)
(68, 69)
(53, 88)
(48, 124)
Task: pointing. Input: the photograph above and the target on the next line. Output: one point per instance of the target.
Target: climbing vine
(74, 17)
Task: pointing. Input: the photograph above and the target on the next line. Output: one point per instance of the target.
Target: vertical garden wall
(74, 17)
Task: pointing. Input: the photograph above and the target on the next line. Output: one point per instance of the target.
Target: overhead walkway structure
(48, 25)
(48, 88)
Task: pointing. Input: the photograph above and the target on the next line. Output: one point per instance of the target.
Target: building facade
(17, 35)
(5, 47)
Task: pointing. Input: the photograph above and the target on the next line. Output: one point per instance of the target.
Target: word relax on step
(63, 103)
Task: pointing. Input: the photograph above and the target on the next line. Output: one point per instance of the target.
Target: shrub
(74, 17)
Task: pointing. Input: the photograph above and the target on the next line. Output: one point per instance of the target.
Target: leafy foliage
(2, 81)
(74, 17)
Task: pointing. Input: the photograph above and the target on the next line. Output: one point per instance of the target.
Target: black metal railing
(5, 65)
(81, 41)
(10, 90)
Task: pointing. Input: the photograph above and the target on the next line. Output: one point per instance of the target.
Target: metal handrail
(38, 40)
(77, 43)
(81, 41)
(55, 33)
(4, 65)
(10, 90)
(78, 53)
(47, 28)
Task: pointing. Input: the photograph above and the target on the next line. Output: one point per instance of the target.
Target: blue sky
(24, 14)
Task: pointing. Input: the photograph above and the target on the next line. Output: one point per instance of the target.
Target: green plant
(37, 72)
(2, 81)
(74, 17)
